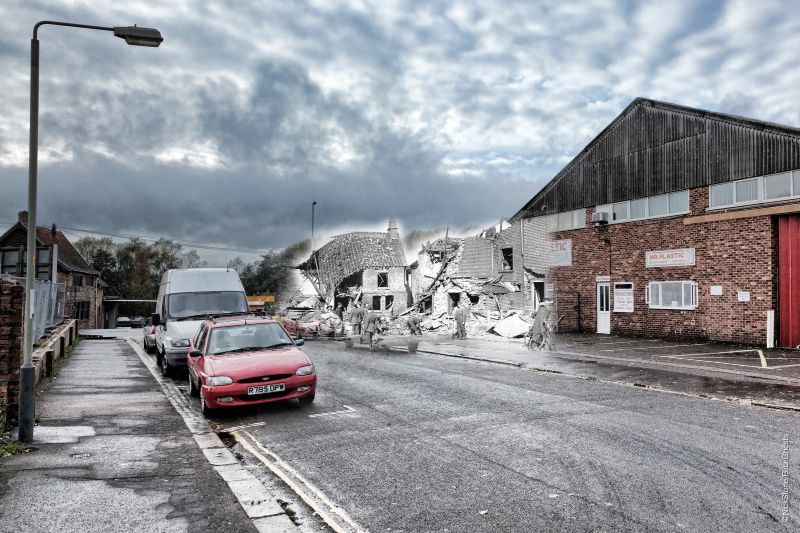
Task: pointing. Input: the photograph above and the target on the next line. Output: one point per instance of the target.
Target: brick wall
(12, 303)
(397, 287)
(736, 254)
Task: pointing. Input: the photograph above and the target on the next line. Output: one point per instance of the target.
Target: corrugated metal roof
(656, 147)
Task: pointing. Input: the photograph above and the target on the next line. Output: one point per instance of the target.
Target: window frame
(794, 188)
(384, 275)
(507, 265)
(694, 295)
(609, 208)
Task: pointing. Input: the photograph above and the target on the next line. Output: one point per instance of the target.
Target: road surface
(427, 443)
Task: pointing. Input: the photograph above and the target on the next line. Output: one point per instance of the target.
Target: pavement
(112, 454)
(717, 370)
(423, 443)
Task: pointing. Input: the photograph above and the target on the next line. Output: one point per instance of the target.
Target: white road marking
(347, 409)
(656, 347)
(705, 353)
(237, 428)
(763, 361)
(334, 516)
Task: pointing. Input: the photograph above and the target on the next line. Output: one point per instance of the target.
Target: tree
(89, 246)
(191, 259)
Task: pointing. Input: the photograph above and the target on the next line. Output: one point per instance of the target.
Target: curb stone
(260, 505)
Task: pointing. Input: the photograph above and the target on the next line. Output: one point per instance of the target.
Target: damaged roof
(353, 252)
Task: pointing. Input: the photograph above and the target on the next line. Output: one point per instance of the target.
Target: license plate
(264, 389)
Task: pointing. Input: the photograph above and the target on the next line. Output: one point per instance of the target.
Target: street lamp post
(134, 36)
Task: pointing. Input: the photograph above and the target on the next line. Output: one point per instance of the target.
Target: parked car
(123, 322)
(149, 338)
(302, 323)
(137, 322)
(246, 360)
(186, 297)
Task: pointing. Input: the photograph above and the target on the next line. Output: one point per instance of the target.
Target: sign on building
(623, 298)
(669, 258)
(561, 252)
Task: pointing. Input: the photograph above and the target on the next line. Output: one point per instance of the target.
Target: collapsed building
(489, 272)
(362, 267)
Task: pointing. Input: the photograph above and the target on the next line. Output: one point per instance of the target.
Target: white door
(604, 308)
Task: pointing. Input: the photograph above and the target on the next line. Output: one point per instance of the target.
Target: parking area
(784, 363)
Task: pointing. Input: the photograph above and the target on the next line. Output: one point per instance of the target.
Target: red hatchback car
(246, 360)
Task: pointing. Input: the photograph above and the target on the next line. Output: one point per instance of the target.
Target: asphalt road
(441, 444)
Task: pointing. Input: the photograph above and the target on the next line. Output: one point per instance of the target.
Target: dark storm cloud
(433, 112)
(276, 141)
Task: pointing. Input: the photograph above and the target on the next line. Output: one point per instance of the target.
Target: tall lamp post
(134, 36)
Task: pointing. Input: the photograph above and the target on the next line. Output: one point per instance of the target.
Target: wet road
(441, 444)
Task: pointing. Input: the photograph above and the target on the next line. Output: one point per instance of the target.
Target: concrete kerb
(259, 504)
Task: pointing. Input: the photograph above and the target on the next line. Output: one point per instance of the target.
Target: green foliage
(270, 274)
(9, 446)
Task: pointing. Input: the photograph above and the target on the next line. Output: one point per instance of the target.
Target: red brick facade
(12, 303)
(739, 255)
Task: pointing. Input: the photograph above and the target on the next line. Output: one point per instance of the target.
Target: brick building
(84, 288)
(678, 222)
(369, 267)
(488, 269)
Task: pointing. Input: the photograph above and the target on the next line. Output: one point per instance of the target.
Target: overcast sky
(431, 112)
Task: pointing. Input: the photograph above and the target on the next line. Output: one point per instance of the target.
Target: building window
(383, 280)
(674, 203)
(388, 301)
(671, 295)
(376, 303)
(8, 261)
(782, 186)
(508, 259)
(567, 220)
(81, 311)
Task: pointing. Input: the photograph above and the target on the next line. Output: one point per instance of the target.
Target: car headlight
(214, 381)
(305, 370)
(178, 343)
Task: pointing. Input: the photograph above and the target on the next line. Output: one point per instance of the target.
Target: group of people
(366, 322)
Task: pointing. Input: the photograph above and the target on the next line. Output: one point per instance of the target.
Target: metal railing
(48, 304)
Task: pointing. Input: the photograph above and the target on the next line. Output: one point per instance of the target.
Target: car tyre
(204, 408)
(194, 390)
(166, 370)
(306, 400)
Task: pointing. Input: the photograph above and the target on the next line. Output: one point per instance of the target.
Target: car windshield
(200, 304)
(249, 337)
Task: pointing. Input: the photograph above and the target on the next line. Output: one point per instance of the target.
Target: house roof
(647, 149)
(68, 257)
(353, 252)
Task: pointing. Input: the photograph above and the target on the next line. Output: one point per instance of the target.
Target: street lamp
(134, 36)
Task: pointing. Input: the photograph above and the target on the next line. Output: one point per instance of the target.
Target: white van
(185, 298)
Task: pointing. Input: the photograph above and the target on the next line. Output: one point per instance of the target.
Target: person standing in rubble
(413, 324)
(370, 327)
(460, 314)
(356, 318)
(339, 312)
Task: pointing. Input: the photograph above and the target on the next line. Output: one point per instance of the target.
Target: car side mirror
(195, 353)
(155, 318)
(299, 342)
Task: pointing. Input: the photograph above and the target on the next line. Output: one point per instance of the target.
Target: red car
(246, 360)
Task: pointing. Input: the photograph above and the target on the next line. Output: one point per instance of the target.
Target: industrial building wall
(736, 257)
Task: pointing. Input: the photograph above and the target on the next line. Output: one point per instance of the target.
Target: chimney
(394, 233)
(22, 216)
